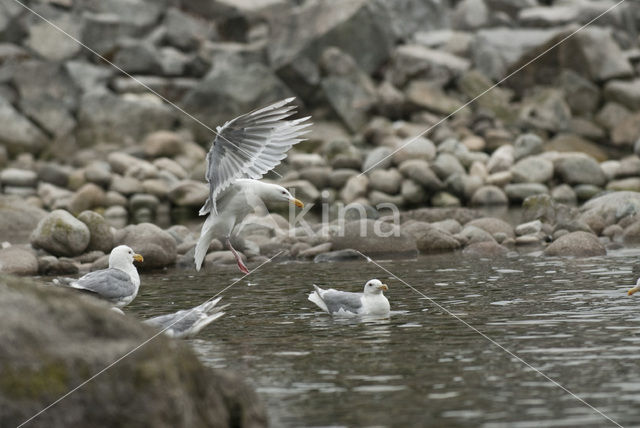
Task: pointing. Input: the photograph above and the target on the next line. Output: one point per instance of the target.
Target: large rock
(419, 171)
(295, 46)
(430, 239)
(495, 50)
(18, 219)
(100, 231)
(592, 52)
(18, 261)
(349, 91)
(610, 208)
(58, 339)
(374, 238)
(412, 61)
(387, 181)
(156, 246)
(579, 169)
(61, 234)
(51, 43)
(216, 99)
(532, 169)
(17, 133)
(188, 193)
(493, 226)
(105, 117)
(489, 195)
(576, 244)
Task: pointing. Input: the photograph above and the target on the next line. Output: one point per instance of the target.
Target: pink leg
(241, 265)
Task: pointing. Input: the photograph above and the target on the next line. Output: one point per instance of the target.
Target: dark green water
(422, 367)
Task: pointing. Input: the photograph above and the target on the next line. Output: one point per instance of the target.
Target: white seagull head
(276, 193)
(123, 256)
(375, 286)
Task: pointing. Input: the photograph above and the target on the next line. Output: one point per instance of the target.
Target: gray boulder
(489, 195)
(419, 171)
(579, 169)
(576, 244)
(156, 246)
(532, 169)
(17, 133)
(61, 234)
(16, 260)
(105, 117)
(374, 238)
(520, 191)
(62, 337)
(493, 226)
(378, 158)
(18, 219)
(100, 231)
(430, 239)
(388, 181)
(485, 249)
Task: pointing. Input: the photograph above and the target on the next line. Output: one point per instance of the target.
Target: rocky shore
(91, 159)
(59, 340)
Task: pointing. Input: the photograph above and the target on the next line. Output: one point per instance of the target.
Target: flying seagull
(245, 149)
(117, 285)
(188, 322)
(370, 302)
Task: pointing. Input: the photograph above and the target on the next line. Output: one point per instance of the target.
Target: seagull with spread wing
(245, 149)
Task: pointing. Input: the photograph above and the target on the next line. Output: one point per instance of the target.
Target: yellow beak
(138, 257)
(297, 202)
(632, 290)
(383, 287)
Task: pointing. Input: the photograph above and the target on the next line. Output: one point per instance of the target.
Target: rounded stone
(489, 195)
(156, 245)
(576, 244)
(18, 261)
(61, 234)
(87, 197)
(532, 169)
(100, 230)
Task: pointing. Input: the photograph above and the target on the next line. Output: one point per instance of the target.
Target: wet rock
(74, 336)
(532, 169)
(337, 256)
(521, 191)
(222, 258)
(631, 234)
(493, 226)
(489, 195)
(432, 215)
(419, 171)
(471, 234)
(579, 169)
(486, 249)
(61, 234)
(374, 238)
(576, 244)
(16, 260)
(529, 228)
(51, 265)
(101, 237)
(156, 245)
(435, 240)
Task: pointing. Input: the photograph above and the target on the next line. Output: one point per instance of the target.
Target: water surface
(569, 318)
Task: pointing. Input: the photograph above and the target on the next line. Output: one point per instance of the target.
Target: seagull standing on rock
(245, 149)
(342, 303)
(117, 285)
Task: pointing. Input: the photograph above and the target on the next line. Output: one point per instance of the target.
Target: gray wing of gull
(188, 322)
(336, 300)
(251, 145)
(109, 284)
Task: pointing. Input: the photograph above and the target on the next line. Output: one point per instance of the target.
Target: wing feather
(251, 145)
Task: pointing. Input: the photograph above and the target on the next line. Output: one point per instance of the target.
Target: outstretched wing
(189, 322)
(251, 145)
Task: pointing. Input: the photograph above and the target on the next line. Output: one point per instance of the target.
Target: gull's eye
(284, 193)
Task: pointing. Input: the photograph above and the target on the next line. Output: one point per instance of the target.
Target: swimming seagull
(369, 302)
(188, 322)
(117, 285)
(245, 149)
